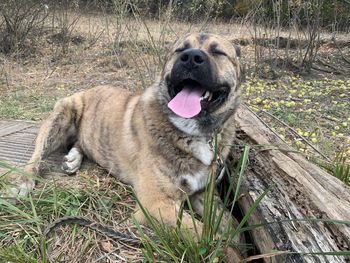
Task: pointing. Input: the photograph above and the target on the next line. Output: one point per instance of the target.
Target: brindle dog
(156, 141)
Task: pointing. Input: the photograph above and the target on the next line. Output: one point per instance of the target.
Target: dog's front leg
(163, 205)
(166, 211)
(197, 202)
(52, 134)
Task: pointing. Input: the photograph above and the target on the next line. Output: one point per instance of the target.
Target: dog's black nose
(192, 58)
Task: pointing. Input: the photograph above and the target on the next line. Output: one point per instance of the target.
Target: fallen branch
(302, 190)
(324, 63)
(325, 70)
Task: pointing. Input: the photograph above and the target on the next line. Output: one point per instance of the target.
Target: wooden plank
(11, 127)
(17, 139)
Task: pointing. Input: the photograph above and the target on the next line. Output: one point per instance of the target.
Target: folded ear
(238, 50)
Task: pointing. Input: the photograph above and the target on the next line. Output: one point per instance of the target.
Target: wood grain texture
(17, 139)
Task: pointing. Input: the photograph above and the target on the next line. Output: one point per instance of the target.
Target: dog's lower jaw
(188, 126)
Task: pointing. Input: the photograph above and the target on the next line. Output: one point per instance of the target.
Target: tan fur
(133, 138)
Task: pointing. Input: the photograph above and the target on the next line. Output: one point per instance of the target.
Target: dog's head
(200, 83)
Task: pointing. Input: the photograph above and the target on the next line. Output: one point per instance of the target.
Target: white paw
(72, 161)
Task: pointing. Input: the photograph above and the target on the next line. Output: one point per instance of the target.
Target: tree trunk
(301, 190)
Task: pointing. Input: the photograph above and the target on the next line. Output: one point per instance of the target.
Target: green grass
(22, 224)
(339, 167)
(26, 107)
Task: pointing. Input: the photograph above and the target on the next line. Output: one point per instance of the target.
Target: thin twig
(266, 255)
(106, 255)
(275, 133)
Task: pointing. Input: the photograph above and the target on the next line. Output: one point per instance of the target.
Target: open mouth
(189, 98)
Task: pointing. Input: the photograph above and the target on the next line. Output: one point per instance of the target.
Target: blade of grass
(35, 215)
(15, 210)
(251, 211)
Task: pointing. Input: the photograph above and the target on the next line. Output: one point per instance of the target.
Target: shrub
(21, 22)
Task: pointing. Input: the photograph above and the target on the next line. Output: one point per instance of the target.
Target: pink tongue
(187, 102)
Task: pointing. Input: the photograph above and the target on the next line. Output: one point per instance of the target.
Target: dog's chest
(202, 151)
(197, 180)
(194, 182)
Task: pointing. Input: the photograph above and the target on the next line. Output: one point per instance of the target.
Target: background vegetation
(332, 13)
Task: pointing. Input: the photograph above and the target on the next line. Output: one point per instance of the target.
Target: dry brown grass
(90, 193)
(114, 51)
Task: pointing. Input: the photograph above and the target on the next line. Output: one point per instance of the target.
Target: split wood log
(301, 190)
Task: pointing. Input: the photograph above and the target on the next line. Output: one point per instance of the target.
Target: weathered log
(301, 190)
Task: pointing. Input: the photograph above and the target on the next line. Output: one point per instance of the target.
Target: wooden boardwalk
(17, 139)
